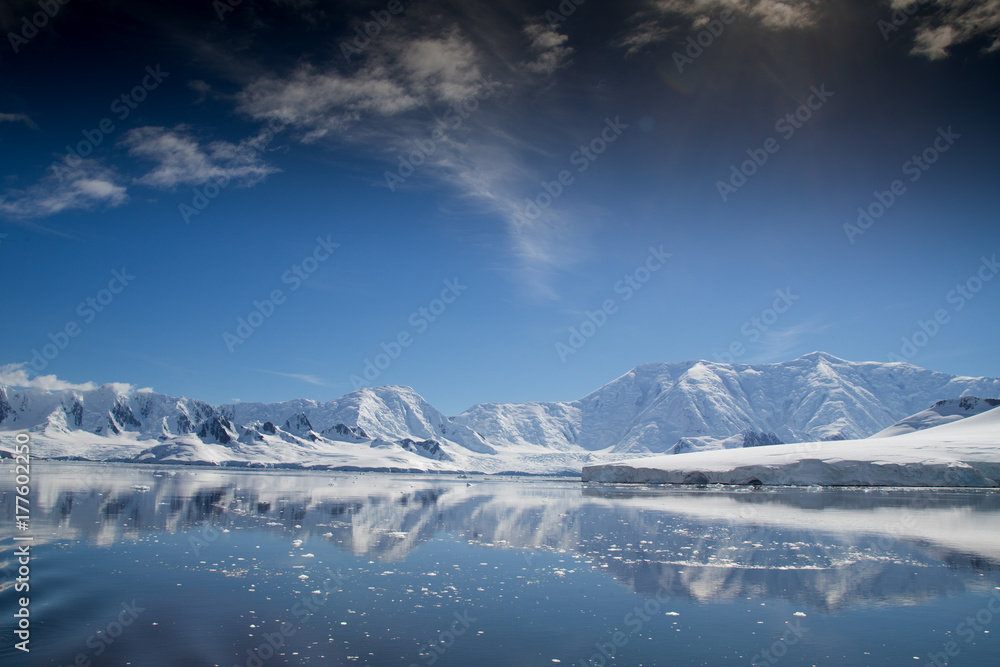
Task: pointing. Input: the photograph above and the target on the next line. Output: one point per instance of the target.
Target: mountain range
(657, 408)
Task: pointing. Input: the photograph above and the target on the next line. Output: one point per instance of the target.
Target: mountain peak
(823, 356)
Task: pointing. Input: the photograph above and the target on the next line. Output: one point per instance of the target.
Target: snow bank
(964, 453)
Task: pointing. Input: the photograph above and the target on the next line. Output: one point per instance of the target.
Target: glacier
(963, 453)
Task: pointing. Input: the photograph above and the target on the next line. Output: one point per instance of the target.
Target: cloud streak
(776, 343)
(182, 160)
(18, 118)
(87, 186)
(655, 21)
(304, 377)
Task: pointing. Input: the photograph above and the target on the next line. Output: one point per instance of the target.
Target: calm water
(186, 566)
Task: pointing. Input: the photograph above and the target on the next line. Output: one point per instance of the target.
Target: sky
(491, 202)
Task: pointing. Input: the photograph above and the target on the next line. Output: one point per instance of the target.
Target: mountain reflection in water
(826, 548)
(825, 552)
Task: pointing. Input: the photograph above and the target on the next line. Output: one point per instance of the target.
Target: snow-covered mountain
(694, 405)
(653, 409)
(385, 427)
(390, 413)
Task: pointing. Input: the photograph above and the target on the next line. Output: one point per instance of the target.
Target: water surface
(197, 566)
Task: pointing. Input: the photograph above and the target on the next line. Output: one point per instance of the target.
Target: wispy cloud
(956, 22)
(200, 87)
(643, 34)
(400, 76)
(183, 160)
(304, 377)
(86, 186)
(491, 171)
(18, 118)
(776, 343)
(408, 86)
(15, 375)
(658, 18)
(939, 24)
(783, 14)
(549, 48)
(777, 14)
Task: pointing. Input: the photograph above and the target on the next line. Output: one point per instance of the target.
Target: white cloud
(399, 75)
(549, 48)
(182, 160)
(15, 375)
(84, 186)
(787, 13)
(315, 100)
(442, 69)
(933, 42)
(955, 22)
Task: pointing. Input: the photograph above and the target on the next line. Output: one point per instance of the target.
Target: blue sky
(215, 159)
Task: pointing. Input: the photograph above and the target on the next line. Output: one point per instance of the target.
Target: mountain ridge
(655, 408)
